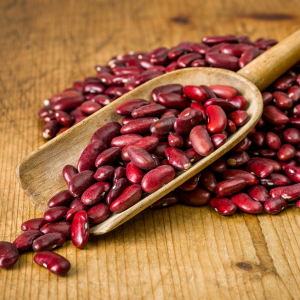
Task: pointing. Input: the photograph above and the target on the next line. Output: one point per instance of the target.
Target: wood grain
(176, 253)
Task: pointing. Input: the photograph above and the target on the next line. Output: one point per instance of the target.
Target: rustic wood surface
(176, 253)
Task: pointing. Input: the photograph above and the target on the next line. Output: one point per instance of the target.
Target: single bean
(258, 193)
(291, 192)
(50, 129)
(192, 155)
(293, 172)
(141, 158)
(9, 254)
(163, 126)
(183, 125)
(33, 224)
(128, 107)
(224, 104)
(223, 206)
(239, 102)
(104, 173)
(169, 88)
(139, 126)
(236, 173)
(62, 227)
(273, 141)
(217, 119)
(274, 116)
(230, 187)
(196, 93)
(208, 180)
(239, 159)
(107, 133)
(224, 91)
(239, 117)
(173, 100)
(175, 140)
(68, 172)
(243, 145)
(24, 241)
(275, 205)
(98, 213)
(201, 141)
(80, 182)
(246, 204)
(80, 229)
(195, 197)
(64, 118)
(120, 172)
(124, 140)
(107, 156)
(275, 179)
(276, 192)
(77, 201)
(259, 139)
(95, 193)
(259, 168)
(177, 159)
(166, 201)
(48, 242)
(72, 212)
(282, 100)
(55, 214)
(286, 152)
(191, 183)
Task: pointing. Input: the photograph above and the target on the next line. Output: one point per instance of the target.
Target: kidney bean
(170, 112)
(284, 82)
(290, 193)
(276, 192)
(185, 60)
(195, 197)
(80, 230)
(129, 197)
(107, 156)
(246, 204)
(93, 86)
(119, 186)
(230, 187)
(273, 141)
(102, 99)
(119, 173)
(172, 67)
(239, 159)
(200, 107)
(258, 193)
(217, 119)
(177, 159)
(54, 262)
(67, 103)
(265, 153)
(208, 180)
(141, 158)
(80, 182)
(62, 227)
(224, 61)
(124, 140)
(248, 56)
(33, 224)
(259, 139)
(50, 129)
(231, 127)
(64, 118)
(234, 49)
(294, 93)
(175, 140)
(154, 110)
(45, 111)
(276, 165)
(286, 152)
(140, 126)
(239, 117)
(191, 183)
(49, 117)
(199, 63)
(55, 214)
(134, 174)
(223, 206)
(122, 70)
(78, 116)
(282, 100)
(98, 213)
(166, 201)
(291, 135)
(196, 93)
(274, 116)
(68, 172)
(185, 112)
(159, 151)
(169, 88)
(184, 125)
(243, 145)
(201, 141)
(107, 133)
(75, 202)
(236, 173)
(259, 168)
(95, 193)
(295, 122)
(24, 241)
(126, 120)
(48, 242)
(224, 91)
(275, 205)
(71, 213)
(9, 254)
(267, 98)
(90, 107)
(60, 199)
(224, 104)
(192, 155)
(275, 179)
(163, 126)
(173, 100)
(104, 173)
(213, 40)
(293, 172)
(175, 52)
(219, 166)
(145, 76)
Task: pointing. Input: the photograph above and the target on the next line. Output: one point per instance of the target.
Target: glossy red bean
(265, 153)
(33, 224)
(77, 201)
(177, 159)
(224, 61)
(239, 102)
(259, 139)
(64, 118)
(293, 172)
(54, 262)
(120, 172)
(90, 107)
(119, 186)
(124, 140)
(80, 182)
(185, 60)
(191, 183)
(95, 193)
(276, 192)
(104, 173)
(67, 103)
(294, 93)
(62, 227)
(248, 56)
(48, 242)
(93, 86)
(72, 212)
(98, 213)
(163, 126)
(234, 49)
(201, 141)
(223, 206)
(284, 82)
(9, 254)
(275, 179)
(134, 174)
(243, 145)
(107, 156)
(259, 168)
(267, 98)
(170, 112)
(173, 100)
(217, 119)
(258, 193)
(273, 141)
(24, 241)
(224, 91)
(55, 214)
(185, 124)
(50, 129)
(138, 126)
(102, 99)
(239, 117)
(145, 76)
(80, 229)
(236, 173)
(200, 107)
(141, 158)
(68, 172)
(275, 205)
(231, 127)
(224, 104)
(213, 40)
(239, 159)
(289, 193)
(166, 201)
(154, 110)
(107, 133)
(208, 180)
(286, 152)
(274, 116)
(196, 93)
(246, 204)
(282, 100)
(219, 166)
(230, 187)
(192, 155)
(169, 88)
(195, 197)
(291, 136)
(60, 199)
(175, 140)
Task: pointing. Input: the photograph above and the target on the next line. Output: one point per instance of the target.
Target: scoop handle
(270, 65)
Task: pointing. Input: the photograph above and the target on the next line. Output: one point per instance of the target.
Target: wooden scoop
(40, 173)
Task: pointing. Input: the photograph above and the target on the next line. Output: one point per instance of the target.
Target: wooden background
(177, 253)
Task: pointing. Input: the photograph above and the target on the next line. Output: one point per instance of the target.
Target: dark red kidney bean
(188, 142)
(267, 98)
(239, 159)
(93, 86)
(274, 116)
(213, 40)
(259, 139)
(163, 126)
(273, 141)
(175, 52)
(95, 193)
(141, 158)
(48, 242)
(67, 103)
(294, 93)
(117, 189)
(121, 79)
(246, 204)
(173, 100)
(219, 166)
(258, 193)
(126, 70)
(291, 135)
(239, 102)
(102, 99)
(185, 60)
(104, 173)
(239, 117)
(265, 153)
(120, 172)
(199, 63)
(170, 112)
(223, 61)
(77, 201)
(138, 126)
(234, 49)
(165, 162)
(224, 104)
(231, 127)
(90, 107)
(200, 48)
(107, 133)
(276, 192)
(169, 88)
(172, 67)
(64, 95)
(107, 156)
(295, 122)
(236, 173)
(284, 82)
(134, 174)
(275, 179)
(98, 213)
(196, 93)
(275, 164)
(158, 177)
(62, 227)
(33, 224)
(9, 254)
(68, 172)
(223, 206)
(145, 76)
(201, 141)
(275, 205)
(24, 241)
(292, 163)
(80, 182)
(129, 197)
(60, 199)
(175, 140)
(243, 145)
(217, 119)
(45, 111)
(159, 151)
(296, 111)
(184, 125)
(49, 118)
(195, 197)
(126, 120)
(191, 183)
(89, 155)
(259, 168)
(248, 56)
(64, 118)
(289, 193)
(50, 129)
(154, 110)
(200, 107)
(230, 187)
(166, 201)
(224, 91)
(124, 140)
(185, 112)
(261, 123)
(177, 159)
(292, 172)
(218, 139)
(78, 116)
(286, 152)
(282, 100)
(72, 212)
(55, 214)
(208, 180)
(192, 155)
(80, 229)
(161, 138)
(54, 262)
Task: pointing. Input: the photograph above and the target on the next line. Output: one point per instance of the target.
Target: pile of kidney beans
(259, 174)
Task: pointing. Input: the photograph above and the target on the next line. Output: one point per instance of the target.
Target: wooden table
(176, 253)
